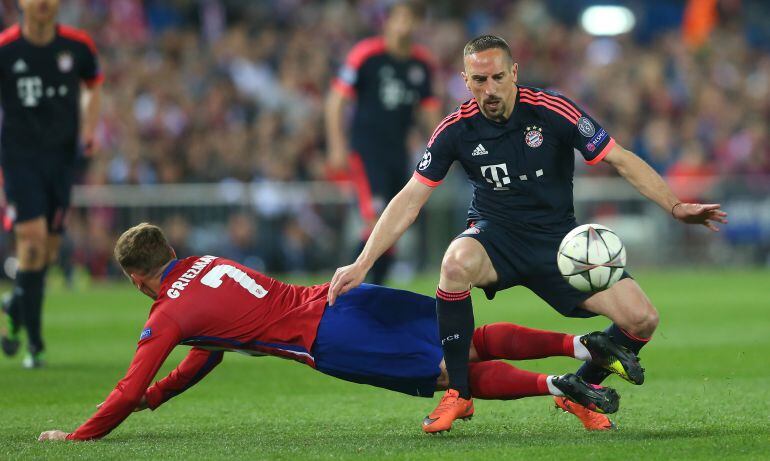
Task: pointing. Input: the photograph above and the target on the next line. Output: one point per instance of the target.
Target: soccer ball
(591, 257)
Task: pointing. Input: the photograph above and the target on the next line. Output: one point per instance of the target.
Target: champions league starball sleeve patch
(424, 161)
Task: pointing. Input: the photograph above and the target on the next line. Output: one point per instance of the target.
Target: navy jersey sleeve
(439, 156)
(7, 36)
(348, 80)
(89, 66)
(3, 60)
(573, 125)
(425, 89)
(86, 56)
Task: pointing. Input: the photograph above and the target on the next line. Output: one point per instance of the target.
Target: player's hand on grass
(345, 279)
(699, 213)
(52, 435)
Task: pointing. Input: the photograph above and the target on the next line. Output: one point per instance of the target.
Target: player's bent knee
(462, 261)
(457, 269)
(651, 322)
(644, 324)
(32, 243)
(32, 253)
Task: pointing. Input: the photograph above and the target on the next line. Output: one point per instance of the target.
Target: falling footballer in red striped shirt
(374, 335)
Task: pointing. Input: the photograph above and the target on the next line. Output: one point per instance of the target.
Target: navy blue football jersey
(522, 169)
(40, 93)
(387, 90)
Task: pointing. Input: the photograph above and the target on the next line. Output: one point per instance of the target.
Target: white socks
(581, 353)
(551, 388)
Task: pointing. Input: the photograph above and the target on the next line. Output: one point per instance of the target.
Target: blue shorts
(383, 337)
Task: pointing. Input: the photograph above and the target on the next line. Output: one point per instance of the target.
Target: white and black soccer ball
(591, 257)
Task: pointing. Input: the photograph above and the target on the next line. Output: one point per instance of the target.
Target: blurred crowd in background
(233, 90)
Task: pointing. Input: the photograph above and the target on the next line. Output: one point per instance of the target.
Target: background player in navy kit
(516, 145)
(42, 67)
(389, 77)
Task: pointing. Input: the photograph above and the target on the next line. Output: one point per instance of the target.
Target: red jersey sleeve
(158, 338)
(194, 367)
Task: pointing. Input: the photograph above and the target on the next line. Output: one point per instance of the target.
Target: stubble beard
(498, 115)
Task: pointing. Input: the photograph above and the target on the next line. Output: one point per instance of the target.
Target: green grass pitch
(706, 395)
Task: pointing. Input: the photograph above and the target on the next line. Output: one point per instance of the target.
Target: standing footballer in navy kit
(516, 145)
(387, 78)
(47, 70)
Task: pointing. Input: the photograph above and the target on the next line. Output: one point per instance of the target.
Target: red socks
(501, 381)
(514, 342)
(493, 379)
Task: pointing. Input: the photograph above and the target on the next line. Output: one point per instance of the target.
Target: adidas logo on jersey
(479, 150)
(19, 66)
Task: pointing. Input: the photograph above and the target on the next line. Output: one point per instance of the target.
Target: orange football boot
(591, 420)
(450, 408)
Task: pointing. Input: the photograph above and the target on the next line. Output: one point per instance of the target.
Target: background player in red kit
(42, 68)
(373, 335)
(388, 77)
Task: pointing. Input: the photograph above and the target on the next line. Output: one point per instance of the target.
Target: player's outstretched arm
(196, 365)
(395, 220)
(127, 395)
(651, 185)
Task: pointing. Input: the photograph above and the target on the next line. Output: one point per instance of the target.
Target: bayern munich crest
(65, 61)
(534, 136)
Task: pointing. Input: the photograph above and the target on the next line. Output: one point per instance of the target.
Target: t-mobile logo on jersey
(393, 92)
(30, 90)
(500, 180)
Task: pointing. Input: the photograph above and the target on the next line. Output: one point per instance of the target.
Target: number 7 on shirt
(214, 279)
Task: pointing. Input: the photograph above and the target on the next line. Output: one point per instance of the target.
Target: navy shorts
(528, 258)
(37, 189)
(383, 337)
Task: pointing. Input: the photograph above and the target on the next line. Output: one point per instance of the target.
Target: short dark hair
(143, 248)
(486, 42)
